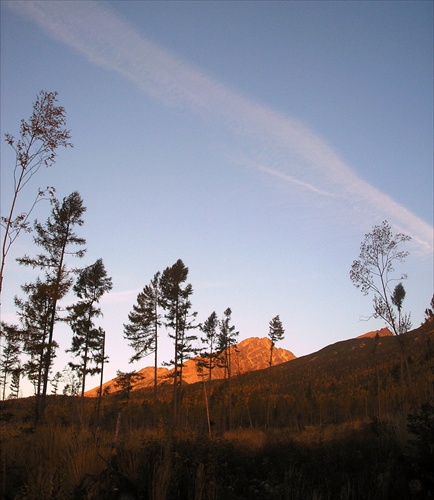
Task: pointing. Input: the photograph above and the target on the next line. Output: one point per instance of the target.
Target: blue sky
(256, 141)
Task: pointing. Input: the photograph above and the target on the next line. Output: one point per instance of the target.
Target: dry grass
(51, 461)
(345, 461)
(251, 439)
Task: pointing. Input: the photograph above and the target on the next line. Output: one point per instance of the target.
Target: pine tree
(275, 333)
(144, 323)
(208, 359)
(55, 382)
(125, 382)
(186, 350)
(226, 341)
(57, 240)
(92, 283)
(209, 354)
(15, 382)
(175, 301)
(35, 316)
(9, 360)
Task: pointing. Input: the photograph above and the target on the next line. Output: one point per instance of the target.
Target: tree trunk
(51, 325)
(155, 372)
(101, 381)
(175, 374)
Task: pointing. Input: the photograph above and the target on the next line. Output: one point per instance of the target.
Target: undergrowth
(357, 461)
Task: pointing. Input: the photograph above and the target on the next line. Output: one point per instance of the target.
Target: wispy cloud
(105, 39)
(121, 296)
(287, 178)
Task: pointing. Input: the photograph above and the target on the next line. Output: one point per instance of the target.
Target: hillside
(328, 425)
(350, 380)
(249, 355)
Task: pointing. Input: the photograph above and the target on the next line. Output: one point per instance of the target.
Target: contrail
(105, 39)
(288, 178)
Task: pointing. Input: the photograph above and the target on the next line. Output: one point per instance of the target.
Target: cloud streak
(287, 178)
(106, 40)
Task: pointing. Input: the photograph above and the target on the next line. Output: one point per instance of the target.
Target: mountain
(351, 379)
(249, 355)
(384, 332)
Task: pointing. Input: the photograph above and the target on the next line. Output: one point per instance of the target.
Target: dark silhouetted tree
(15, 382)
(429, 311)
(10, 355)
(71, 382)
(35, 314)
(186, 350)
(55, 382)
(226, 342)
(58, 241)
(209, 354)
(125, 381)
(175, 295)
(397, 298)
(275, 334)
(37, 144)
(101, 359)
(373, 271)
(92, 283)
(208, 359)
(143, 327)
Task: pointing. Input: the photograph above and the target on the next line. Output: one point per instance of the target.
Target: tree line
(164, 302)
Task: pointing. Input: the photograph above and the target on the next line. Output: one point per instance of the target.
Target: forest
(354, 420)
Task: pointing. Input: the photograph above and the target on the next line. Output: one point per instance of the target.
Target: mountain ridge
(383, 332)
(249, 355)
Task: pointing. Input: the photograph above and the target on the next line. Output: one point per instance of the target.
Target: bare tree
(39, 139)
(373, 271)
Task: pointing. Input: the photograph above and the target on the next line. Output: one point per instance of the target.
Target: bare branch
(37, 144)
(372, 272)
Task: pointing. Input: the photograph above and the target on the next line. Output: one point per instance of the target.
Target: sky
(256, 141)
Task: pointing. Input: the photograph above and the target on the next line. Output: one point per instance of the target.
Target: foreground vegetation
(338, 424)
(374, 460)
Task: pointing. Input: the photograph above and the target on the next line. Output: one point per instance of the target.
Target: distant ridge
(249, 355)
(384, 332)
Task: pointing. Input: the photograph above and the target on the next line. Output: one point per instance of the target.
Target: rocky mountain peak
(383, 332)
(249, 355)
